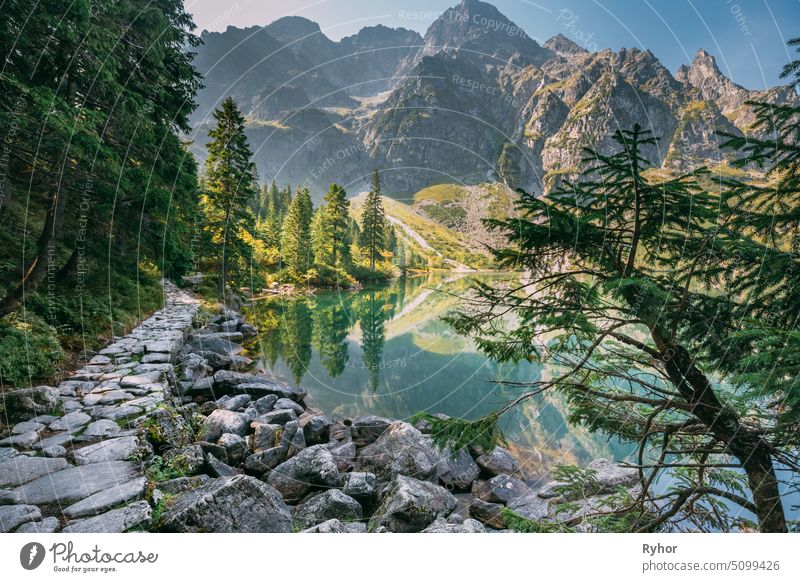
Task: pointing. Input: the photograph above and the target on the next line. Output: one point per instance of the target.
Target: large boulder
(400, 450)
(411, 505)
(219, 343)
(310, 468)
(366, 429)
(500, 489)
(226, 381)
(530, 506)
(327, 505)
(228, 505)
(457, 471)
(221, 421)
(488, 513)
(498, 461)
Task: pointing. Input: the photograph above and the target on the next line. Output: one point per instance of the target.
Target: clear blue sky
(748, 37)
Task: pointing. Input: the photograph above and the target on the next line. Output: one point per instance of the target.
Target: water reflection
(386, 351)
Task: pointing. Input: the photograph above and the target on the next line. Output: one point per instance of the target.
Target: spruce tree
(230, 189)
(632, 289)
(373, 223)
(331, 230)
(295, 247)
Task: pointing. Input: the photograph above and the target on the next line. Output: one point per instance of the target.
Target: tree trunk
(724, 423)
(36, 269)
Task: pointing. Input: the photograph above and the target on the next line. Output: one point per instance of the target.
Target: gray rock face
(498, 461)
(224, 421)
(235, 447)
(27, 426)
(457, 471)
(286, 403)
(120, 520)
(22, 469)
(117, 449)
(75, 483)
(441, 525)
(265, 460)
(400, 450)
(411, 505)
(336, 526)
(266, 436)
(12, 516)
(328, 505)
(311, 467)
(25, 440)
(316, 428)
(279, 416)
(367, 429)
(501, 489)
(236, 403)
(488, 513)
(105, 500)
(230, 505)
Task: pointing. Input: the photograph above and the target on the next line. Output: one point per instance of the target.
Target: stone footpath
(166, 430)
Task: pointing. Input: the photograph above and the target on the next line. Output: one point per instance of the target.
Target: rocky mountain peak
(290, 28)
(563, 46)
(704, 65)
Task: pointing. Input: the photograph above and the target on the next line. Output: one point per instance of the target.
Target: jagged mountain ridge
(476, 100)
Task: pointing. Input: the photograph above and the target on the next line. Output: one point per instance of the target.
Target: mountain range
(476, 100)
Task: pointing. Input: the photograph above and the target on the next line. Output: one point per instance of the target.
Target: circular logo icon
(31, 555)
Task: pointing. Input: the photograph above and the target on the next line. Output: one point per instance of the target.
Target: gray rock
(265, 460)
(236, 403)
(12, 516)
(135, 515)
(235, 447)
(59, 439)
(265, 403)
(7, 453)
(101, 428)
(366, 429)
(190, 460)
(316, 428)
(182, 484)
(214, 342)
(487, 513)
(498, 462)
(215, 361)
(71, 421)
(286, 403)
(500, 489)
(69, 406)
(22, 469)
(222, 421)
(266, 436)
(47, 525)
(25, 440)
(166, 428)
(455, 518)
(75, 483)
(279, 416)
(115, 397)
(530, 506)
(360, 486)
(230, 505)
(328, 505)
(107, 499)
(27, 426)
(311, 467)
(54, 451)
(343, 453)
(400, 450)
(217, 468)
(292, 439)
(117, 449)
(443, 526)
(457, 471)
(411, 505)
(27, 402)
(157, 358)
(330, 526)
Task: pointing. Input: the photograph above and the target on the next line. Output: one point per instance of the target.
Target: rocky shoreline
(166, 430)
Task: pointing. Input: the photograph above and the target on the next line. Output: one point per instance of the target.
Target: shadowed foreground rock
(233, 505)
